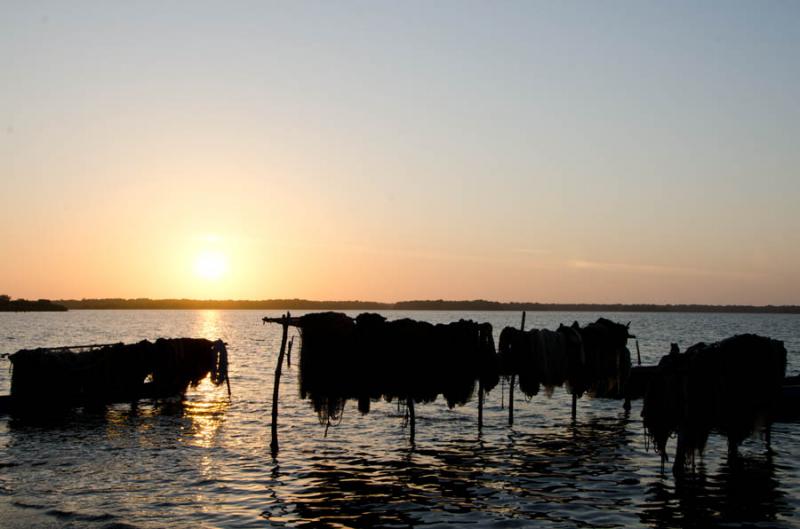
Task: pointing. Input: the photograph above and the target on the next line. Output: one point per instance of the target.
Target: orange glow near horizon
(514, 154)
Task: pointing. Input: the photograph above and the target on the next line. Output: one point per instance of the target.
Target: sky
(632, 152)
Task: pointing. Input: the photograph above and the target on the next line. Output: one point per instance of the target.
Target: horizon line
(415, 304)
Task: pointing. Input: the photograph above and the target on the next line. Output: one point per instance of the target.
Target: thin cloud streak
(662, 270)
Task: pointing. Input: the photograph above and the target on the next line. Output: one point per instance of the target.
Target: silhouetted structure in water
(593, 359)
(87, 375)
(369, 358)
(732, 387)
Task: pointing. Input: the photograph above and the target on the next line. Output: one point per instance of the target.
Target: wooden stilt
(511, 399)
(638, 354)
(511, 384)
(480, 406)
(768, 437)
(276, 386)
(679, 464)
(412, 420)
(574, 407)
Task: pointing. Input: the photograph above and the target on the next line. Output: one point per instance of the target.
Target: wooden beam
(283, 320)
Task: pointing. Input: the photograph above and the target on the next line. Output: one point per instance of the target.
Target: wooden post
(412, 420)
(276, 386)
(511, 384)
(574, 407)
(480, 406)
(638, 353)
(679, 464)
(768, 437)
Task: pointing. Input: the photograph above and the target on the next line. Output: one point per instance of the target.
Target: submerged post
(480, 405)
(276, 386)
(768, 437)
(638, 354)
(412, 420)
(511, 384)
(574, 407)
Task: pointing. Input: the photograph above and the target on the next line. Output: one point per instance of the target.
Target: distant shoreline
(23, 305)
(441, 305)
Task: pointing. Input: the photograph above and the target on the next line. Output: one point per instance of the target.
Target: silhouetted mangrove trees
(451, 305)
(23, 305)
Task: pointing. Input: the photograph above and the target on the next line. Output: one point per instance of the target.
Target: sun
(210, 265)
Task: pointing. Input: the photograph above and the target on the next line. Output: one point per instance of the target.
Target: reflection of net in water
(524, 478)
(741, 491)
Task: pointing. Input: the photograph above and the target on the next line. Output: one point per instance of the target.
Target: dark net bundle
(369, 358)
(181, 362)
(488, 360)
(607, 358)
(329, 370)
(465, 356)
(113, 373)
(519, 356)
(369, 343)
(579, 377)
(509, 350)
(408, 359)
(591, 359)
(732, 387)
(411, 367)
(62, 376)
(551, 354)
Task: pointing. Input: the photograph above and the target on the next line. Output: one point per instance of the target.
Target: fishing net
(593, 359)
(114, 373)
(369, 358)
(732, 387)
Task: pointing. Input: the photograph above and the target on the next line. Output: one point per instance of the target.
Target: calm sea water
(205, 462)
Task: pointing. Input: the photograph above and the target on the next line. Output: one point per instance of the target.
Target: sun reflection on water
(206, 409)
(208, 325)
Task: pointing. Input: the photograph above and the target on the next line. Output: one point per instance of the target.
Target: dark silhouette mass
(64, 376)
(732, 387)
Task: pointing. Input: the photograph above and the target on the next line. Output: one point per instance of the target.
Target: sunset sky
(530, 151)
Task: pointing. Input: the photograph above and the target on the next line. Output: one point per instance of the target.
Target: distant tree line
(23, 305)
(443, 305)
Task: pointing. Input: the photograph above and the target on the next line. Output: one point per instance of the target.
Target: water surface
(205, 462)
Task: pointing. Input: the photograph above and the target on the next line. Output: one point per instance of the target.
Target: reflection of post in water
(551, 468)
(354, 492)
(744, 490)
(361, 491)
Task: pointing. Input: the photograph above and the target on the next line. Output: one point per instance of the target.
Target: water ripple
(205, 462)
